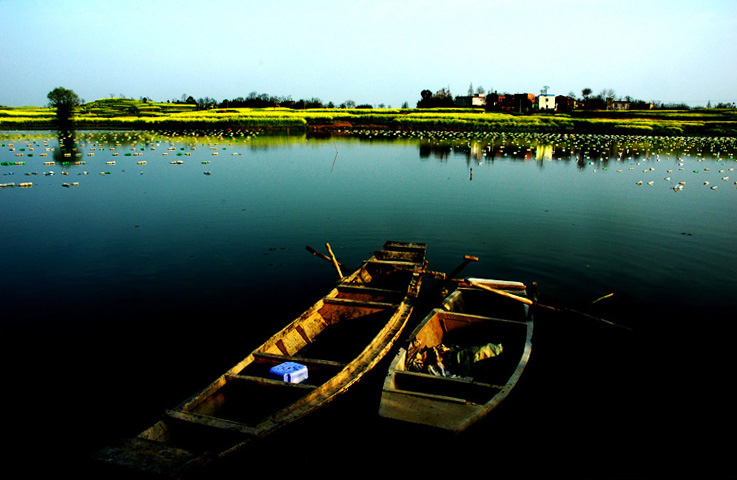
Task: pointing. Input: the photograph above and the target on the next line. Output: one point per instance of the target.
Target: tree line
(265, 100)
(443, 98)
(65, 101)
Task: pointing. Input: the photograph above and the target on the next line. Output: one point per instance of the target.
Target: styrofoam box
(291, 372)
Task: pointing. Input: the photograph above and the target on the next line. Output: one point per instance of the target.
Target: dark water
(126, 293)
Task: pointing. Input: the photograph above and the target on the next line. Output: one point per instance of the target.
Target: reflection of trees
(438, 150)
(65, 101)
(67, 151)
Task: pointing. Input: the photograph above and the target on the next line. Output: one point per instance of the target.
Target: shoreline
(670, 123)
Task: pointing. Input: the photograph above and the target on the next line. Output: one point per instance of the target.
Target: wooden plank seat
(396, 263)
(362, 292)
(347, 302)
(211, 421)
(365, 289)
(258, 371)
(225, 411)
(460, 390)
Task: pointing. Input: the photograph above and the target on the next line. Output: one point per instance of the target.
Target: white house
(477, 100)
(546, 102)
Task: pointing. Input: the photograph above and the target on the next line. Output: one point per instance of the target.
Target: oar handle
(530, 302)
(318, 254)
(500, 292)
(334, 260)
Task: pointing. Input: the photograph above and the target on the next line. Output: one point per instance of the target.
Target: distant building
(564, 103)
(496, 102)
(523, 102)
(612, 104)
(471, 101)
(546, 102)
(519, 102)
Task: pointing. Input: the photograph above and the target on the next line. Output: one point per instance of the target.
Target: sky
(372, 52)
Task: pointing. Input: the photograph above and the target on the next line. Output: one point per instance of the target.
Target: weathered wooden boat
(482, 336)
(335, 342)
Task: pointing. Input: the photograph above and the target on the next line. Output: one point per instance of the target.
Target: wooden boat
(339, 339)
(470, 317)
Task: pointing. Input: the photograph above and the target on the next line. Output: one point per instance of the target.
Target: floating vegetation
(658, 160)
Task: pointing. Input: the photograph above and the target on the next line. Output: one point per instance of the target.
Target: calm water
(136, 284)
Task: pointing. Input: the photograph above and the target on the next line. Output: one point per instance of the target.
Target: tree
(442, 98)
(313, 102)
(608, 94)
(586, 92)
(65, 101)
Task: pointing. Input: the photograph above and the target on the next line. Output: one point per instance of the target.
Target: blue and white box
(291, 372)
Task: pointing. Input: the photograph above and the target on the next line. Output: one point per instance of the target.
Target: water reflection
(129, 257)
(584, 150)
(67, 151)
(544, 152)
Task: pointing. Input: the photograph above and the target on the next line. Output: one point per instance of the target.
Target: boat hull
(454, 402)
(338, 339)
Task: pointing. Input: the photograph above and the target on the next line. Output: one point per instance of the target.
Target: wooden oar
(466, 260)
(442, 275)
(334, 260)
(533, 303)
(330, 258)
(318, 254)
(602, 298)
(442, 287)
(500, 292)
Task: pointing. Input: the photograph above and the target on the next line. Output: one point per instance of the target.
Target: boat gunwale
(346, 373)
(477, 410)
(210, 390)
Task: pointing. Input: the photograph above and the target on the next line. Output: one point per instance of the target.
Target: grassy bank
(133, 114)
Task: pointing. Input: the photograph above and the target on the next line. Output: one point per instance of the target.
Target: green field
(121, 113)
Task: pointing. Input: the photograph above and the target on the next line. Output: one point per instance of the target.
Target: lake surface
(127, 286)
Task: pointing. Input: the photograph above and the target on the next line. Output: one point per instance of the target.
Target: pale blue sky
(377, 51)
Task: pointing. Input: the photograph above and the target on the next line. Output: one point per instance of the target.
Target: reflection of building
(478, 100)
(544, 152)
(477, 150)
(546, 102)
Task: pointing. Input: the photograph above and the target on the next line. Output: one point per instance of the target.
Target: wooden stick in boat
(334, 260)
(602, 298)
(443, 275)
(443, 287)
(466, 260)
(431, 273)
(318, 254)
(531, 302)
(500, 292)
